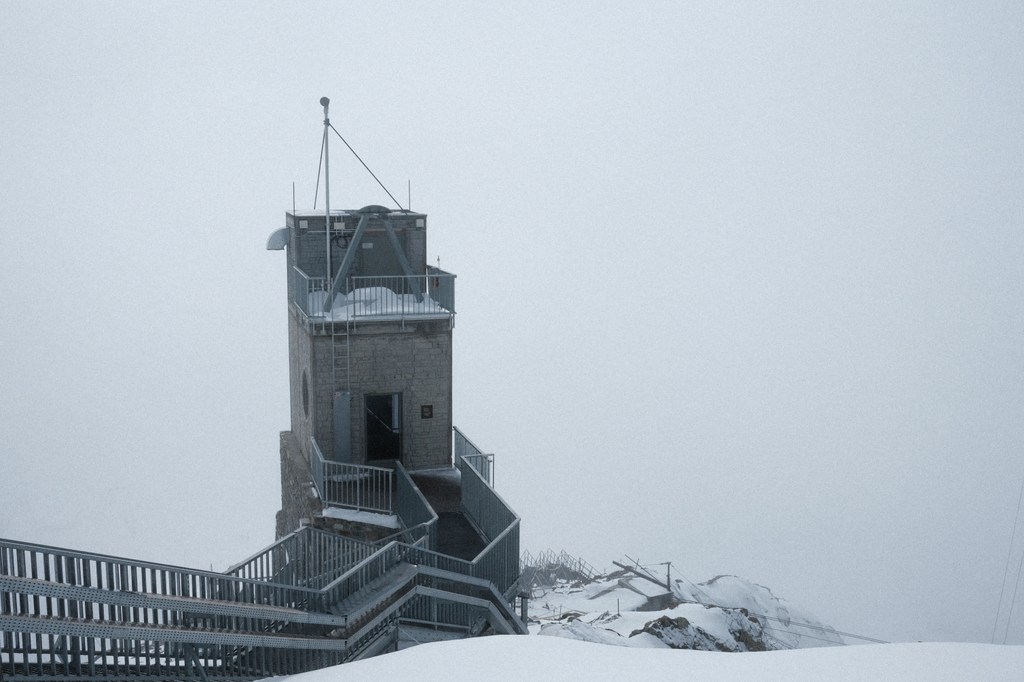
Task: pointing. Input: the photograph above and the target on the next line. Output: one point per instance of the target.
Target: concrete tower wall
(415, 363)
(303, 380)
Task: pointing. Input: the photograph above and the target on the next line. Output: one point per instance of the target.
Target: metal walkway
(73, 614)
(310, 600)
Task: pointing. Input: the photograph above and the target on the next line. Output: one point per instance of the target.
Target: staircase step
(144, 600)
(377, 591)
(77, 627)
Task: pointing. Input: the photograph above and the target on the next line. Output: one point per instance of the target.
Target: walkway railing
(417, 518)
(499, 561)
(463, 447)
(355, 486)
(308, 557)
(396, 296)
(65, 613)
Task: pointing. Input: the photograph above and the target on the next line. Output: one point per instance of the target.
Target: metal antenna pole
(327, 197)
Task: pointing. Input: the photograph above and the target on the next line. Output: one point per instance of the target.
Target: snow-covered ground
(582, 615)
(745, 616)
(382, 520)
(510, 658)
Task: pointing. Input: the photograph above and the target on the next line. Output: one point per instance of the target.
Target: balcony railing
(370, 488)
(392, 297)
(355, 486)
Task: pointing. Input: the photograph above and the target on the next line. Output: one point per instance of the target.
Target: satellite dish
(324, 101)
(278, 240)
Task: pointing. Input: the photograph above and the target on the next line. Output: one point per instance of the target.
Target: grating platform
(456, 536)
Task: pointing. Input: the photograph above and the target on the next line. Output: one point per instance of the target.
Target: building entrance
(383, 426)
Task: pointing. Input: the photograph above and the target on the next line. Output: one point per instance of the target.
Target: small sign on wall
(426, 411)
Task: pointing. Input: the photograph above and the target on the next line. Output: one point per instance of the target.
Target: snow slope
(538, 658)
(746, 616)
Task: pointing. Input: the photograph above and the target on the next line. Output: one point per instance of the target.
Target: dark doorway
(384, 426)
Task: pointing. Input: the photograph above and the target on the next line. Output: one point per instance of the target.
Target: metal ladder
(340, 360)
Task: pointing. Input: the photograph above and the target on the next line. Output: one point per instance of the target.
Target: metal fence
(309, 557)
(499, 561)
(417, 518)
(430, 295)
(309, 292)
(397, 296)
(548, 569)
(355, 486)
(463, 447)
(65, 613)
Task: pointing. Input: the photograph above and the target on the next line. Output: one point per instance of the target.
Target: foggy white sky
(739, 287)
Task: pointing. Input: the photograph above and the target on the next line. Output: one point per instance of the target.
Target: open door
(384, 426)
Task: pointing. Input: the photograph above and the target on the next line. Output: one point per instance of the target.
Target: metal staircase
(73, 614)
(310, 600)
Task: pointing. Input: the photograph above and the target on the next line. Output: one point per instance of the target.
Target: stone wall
(303, 381)
(365, 532)
(413, 360)
(299, 499)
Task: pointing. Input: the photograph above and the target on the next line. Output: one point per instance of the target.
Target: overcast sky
(739, 286)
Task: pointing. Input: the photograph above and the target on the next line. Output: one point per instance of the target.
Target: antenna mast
(327, 197)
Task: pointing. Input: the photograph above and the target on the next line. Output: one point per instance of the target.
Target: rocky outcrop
(746, 633)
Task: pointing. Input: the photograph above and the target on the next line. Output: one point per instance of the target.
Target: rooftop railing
(388, 297)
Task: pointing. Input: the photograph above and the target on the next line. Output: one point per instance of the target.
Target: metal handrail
(308, 557)
(414, 512)
(483, 465)
(462, 446)
(499, 561)
(393, 296)
(354, 486)
(397, 296)
(309, 293)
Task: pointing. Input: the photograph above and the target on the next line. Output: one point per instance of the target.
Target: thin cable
(319, 167)
(1009, 616)
(365, 166)
(1006, 571)
(1016, 584)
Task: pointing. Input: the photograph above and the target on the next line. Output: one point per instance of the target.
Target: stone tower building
(370, 345)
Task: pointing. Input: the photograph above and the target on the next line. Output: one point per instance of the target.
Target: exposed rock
(679, 633)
